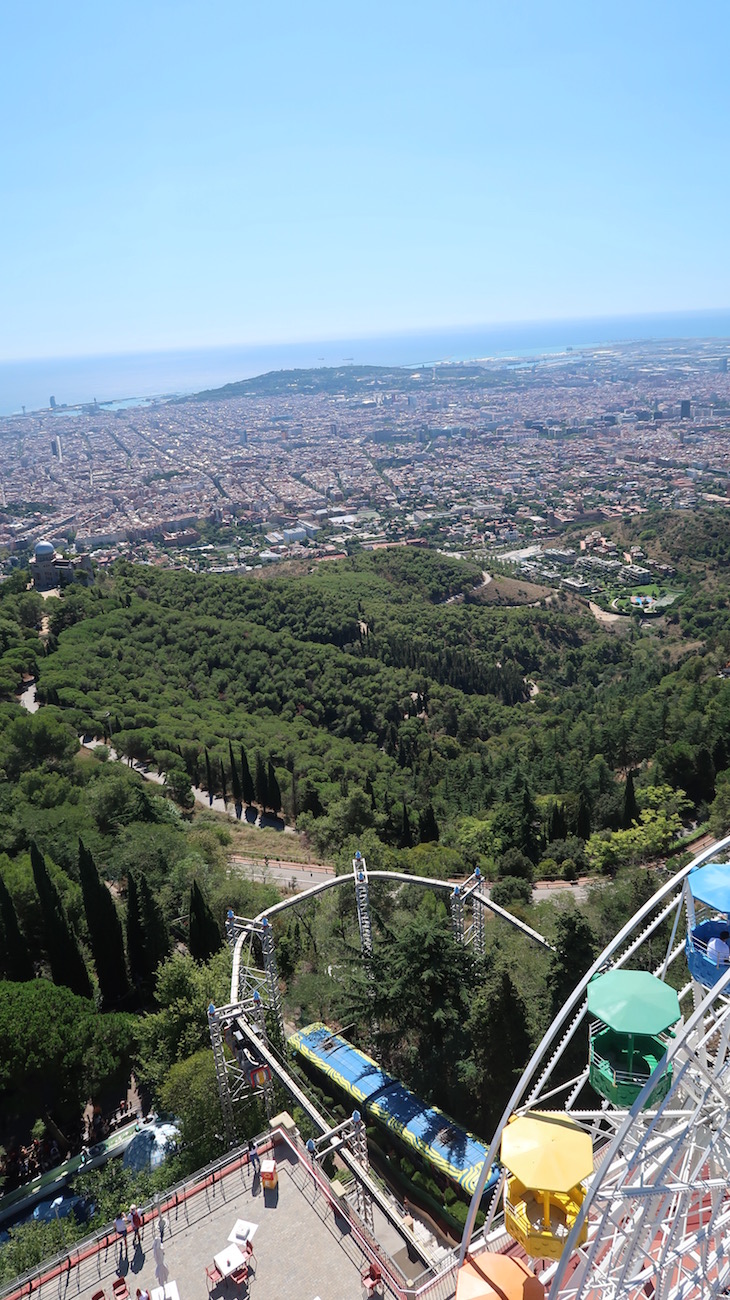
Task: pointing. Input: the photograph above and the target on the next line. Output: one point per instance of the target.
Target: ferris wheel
(616, 1171)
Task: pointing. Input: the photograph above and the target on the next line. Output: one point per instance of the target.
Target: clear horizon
(113, 377)
(437, 331)
(180, 177)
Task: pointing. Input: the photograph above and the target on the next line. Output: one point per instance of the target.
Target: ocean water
(123, 378)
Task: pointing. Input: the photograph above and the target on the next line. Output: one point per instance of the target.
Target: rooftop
(309, 1243)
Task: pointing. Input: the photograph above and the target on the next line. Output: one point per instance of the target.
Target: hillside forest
(377, 703)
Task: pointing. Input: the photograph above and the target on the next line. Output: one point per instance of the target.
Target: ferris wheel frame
(634, 1139)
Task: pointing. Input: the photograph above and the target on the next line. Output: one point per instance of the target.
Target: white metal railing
(620, 1076)
(697, 944)
(188, 1201)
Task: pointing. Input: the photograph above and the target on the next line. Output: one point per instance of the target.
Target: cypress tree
(223, 784)
(406, 836)
(105, 929)
(273, 788)
(583, 820)
(64, 954)
(294, 797)
(235, 782)
(135, 932)
(529, 839)
(156, 937)
(208, 778)
(262, 785)
(204, 936)
(427, 825)
(247, 789)
(631, 808)
(16, 962)
(557, 823)
(719, 755)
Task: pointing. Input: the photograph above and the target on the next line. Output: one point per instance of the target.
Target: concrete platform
(305, 1246)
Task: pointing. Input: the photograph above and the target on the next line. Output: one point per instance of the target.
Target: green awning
(633, 1002)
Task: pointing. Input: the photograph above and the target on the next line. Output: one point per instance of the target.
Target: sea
(137, 377)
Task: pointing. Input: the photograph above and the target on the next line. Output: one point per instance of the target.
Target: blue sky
(188, 174)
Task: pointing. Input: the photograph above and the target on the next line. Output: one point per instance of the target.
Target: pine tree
(208, 779)
(105, 929)
(499, 1045)
(247, 789)
(273, 789)
(204, 936)
(427, 825)
(262, 784)
(223, 784)
(235, 782)
(135, 932)
(575, 948)
(16, 962)
(631, 808)
(64, 954)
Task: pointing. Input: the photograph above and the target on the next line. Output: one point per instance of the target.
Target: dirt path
(603, 616)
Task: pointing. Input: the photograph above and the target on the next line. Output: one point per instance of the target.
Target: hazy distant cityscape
(469, 457)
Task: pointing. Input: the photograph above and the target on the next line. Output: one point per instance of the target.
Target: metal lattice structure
(362, 902)
(655, 1220)
(457, 914)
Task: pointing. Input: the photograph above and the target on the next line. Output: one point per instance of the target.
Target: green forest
(359, 706)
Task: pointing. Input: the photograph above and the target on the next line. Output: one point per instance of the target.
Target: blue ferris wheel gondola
(707, 898)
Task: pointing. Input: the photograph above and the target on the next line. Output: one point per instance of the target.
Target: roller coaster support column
(234, 926)
(259, 1018)
(359, 1145)
(268, 949)
(362, 899)
(478, 913)
(457, 914)
(221, 1075)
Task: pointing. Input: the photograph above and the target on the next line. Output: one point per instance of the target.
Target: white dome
(45, 550)
(151, 1146)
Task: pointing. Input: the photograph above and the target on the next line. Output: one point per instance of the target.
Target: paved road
(296, 875)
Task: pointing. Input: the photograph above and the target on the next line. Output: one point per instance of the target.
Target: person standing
(137, 1225)
(120, 1223)
(253, 1158)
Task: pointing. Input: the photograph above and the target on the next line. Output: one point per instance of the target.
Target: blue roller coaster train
(448, 1148)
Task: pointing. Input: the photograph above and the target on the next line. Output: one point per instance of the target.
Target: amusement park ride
(606, 1181)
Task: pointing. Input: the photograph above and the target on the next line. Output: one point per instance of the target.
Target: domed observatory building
(632, 1017)
(49, 570)
(707, 900)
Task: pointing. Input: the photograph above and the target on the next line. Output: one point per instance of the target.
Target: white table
(167, 1292)
(242, 1231)
(228, 1260)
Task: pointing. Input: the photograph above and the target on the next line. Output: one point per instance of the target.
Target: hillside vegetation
(365, 707)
